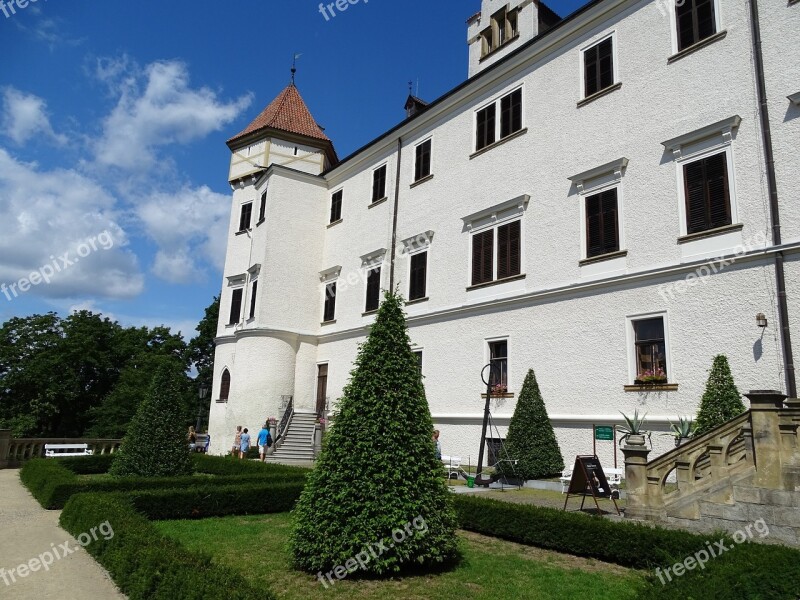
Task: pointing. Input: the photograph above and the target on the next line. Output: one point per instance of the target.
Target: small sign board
(604, 433)
(588, 479)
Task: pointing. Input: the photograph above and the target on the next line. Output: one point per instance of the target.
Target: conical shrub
(531, 439)
(378, 474)
(721, 401)
(156, 444)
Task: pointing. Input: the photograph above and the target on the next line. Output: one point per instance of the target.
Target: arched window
(225, 386)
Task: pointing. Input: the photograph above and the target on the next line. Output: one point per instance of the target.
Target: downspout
(394, 215)
(769, 157)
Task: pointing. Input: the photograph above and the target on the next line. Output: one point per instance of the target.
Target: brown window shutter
(719, 206)
(508, 250)
(373, 290)
(329, 313)
(236, 306)
(417, 285)
(482, 257)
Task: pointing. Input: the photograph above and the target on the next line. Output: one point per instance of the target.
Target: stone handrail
(762, 440)
(14, 451)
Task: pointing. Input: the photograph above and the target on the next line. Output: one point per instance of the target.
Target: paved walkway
(27, 531)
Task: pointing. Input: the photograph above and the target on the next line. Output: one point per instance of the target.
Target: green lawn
(491, 568)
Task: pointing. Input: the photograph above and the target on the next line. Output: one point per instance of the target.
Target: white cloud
(25, 116)
(157, 108)
(187, 225)
(50, 214)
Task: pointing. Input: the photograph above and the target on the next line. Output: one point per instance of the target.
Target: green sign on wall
(604, 433)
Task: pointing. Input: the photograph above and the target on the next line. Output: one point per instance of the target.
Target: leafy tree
(200, 350)
(378, 469)
(721, 401)
(156, 444)
(531, 439)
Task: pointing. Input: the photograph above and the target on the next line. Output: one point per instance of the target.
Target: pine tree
(378, 470)
(156, 444)
(531, 439)
(721, 401)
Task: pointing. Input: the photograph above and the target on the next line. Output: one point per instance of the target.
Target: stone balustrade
(757, 454)
(14, 451)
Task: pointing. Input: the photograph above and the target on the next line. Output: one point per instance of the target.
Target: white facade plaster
(567, 322)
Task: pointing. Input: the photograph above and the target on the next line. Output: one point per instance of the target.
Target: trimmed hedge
(88, 465)
(217, 465)
(749, 570)
(146, 565)
(202, 502)
(52, 482)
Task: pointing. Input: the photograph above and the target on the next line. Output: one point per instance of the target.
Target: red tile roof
(288, 112)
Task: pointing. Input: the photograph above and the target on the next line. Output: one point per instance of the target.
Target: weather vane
(294, 64)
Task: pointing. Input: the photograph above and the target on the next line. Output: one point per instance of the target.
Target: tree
(531, 439)
(200, 351)
(378, 469)
(721, 401)
(156, 444)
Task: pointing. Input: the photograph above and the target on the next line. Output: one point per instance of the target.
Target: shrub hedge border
(53, 481)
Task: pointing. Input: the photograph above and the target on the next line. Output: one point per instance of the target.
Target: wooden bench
(614, 476)
(59, 450)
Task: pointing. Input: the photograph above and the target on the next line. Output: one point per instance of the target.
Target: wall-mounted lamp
(761, 320)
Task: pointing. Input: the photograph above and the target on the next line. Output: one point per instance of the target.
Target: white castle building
(607, 196)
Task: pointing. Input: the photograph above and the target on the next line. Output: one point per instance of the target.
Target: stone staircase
(297, 444)
(744, 471)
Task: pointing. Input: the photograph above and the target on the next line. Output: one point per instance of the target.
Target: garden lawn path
(26, 531)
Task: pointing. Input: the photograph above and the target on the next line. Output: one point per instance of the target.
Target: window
(336, 206)
(498, 358)
(253, 293)
(418, 356)
(707, 192)
(650, 348)
(225, 386)
(417, 277)
(329, 313)
(503, 28)
(322, 389)
(509, 254)
(598, 66)
(379, 184)
(489, 129)
(695, 21)
(482, 257)
(236, 306)
(422, 161)
(245, 217)
(262, 211)
(602, 223)
(373, 289)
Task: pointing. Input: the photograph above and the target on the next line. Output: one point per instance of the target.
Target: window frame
(584, 196)
(487, 356)
(225, 390)
(234, 290)
(494, 227)
(385, 168)
(491, 37)
(411, 257)
(325, 297)
(253, 294)
(340, 193)
(498, 119)
(673, 14)
(416, 178)
(633, 366)
(612, 35)
(368, 270)
(262, 208)
(246, 205)
(680, 163)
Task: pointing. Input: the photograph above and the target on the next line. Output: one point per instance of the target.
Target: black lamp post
(202, 393)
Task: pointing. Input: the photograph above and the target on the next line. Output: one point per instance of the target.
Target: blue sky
(113, 162)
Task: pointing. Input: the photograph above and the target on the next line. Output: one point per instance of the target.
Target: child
(245, 444)
(237, 441)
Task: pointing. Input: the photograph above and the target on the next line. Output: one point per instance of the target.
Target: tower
(502, 26)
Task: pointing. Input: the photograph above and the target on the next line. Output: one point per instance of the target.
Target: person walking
(237, 442)
(245, 444)
(263, 442)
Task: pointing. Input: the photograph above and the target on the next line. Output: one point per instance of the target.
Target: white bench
(614, 476)
(59, 450)
(452, 465)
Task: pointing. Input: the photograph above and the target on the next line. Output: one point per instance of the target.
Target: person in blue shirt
(245, 444)
(263, 442)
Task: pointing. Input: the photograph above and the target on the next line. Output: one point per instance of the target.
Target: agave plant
(681, 430)
(633, 426)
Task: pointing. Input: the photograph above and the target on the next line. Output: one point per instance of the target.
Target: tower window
(236, 306)
(245, 217)
(379, 184)
(336, 206)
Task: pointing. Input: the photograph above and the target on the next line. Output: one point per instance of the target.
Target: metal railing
(287, 405)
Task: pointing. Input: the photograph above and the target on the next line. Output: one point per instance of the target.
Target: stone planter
(635, 439)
